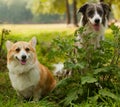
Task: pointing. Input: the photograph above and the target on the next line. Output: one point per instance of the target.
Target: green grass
(8, 97)
(45, 34)
(108, 34)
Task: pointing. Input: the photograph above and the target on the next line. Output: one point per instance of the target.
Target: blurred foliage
(47, 6)
(43, 11)
(58, 6)
(115, 5)
(14, 11)
(116, 10)
(53, 6)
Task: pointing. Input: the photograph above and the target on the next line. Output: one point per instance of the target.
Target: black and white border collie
(94, 18)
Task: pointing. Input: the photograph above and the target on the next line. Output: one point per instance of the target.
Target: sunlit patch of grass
(26, 30)
(108, 34)
(43, 32)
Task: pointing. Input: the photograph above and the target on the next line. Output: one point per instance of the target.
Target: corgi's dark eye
(27, 49)
(17, 50)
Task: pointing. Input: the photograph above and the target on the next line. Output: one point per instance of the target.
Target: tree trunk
(75, 22)
(101, 0)
(68, 18)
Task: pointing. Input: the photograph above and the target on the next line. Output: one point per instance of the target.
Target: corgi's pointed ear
(33, 42)
(9, 45)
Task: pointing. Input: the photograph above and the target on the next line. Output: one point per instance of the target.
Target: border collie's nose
(23, 57)
(97, 21)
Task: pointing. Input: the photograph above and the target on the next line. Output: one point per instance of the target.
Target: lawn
(45, 34)
(28, 29)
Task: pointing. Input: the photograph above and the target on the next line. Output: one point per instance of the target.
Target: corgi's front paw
(36, 99)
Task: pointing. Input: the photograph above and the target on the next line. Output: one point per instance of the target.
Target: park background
(47, 11)
(54, 23)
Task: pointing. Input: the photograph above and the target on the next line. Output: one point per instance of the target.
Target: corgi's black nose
(97, 21)
(24, 57)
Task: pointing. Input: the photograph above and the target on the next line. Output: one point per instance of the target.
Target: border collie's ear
(83, 8)
(106, 9)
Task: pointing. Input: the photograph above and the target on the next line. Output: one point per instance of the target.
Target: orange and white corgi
(28, 77)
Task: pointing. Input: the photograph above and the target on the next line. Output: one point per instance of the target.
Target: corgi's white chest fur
(24, 80)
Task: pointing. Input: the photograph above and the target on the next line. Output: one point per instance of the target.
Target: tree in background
(101, 0)
(59, 7)
(17, 11)
(51, 7)
(75, 22)
(47, 11)
(68, 20)
(62, 6)
(12, 11)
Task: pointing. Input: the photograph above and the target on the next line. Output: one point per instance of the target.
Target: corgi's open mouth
(23, 61)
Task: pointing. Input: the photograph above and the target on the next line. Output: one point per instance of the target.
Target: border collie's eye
(90, 13)
(27, 49)
(17, 49)
(100, 12)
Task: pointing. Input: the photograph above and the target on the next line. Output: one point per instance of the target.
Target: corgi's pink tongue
(96, 27)
(23, 62)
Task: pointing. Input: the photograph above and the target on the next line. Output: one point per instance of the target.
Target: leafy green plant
(3, 35)
(95, 74)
